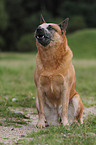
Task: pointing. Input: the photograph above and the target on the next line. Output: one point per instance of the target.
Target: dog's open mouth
(43, 39)
(41, 36)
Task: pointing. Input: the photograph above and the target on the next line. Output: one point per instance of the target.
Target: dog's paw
(65, 124)
(41, 124)
(76, 122)
(64, 121)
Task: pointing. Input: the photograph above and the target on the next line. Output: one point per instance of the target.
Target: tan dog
(57, 100)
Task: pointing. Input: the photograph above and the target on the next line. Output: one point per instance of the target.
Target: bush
(76, 22)
(31, 22)
(3, 16)
(56, 20)
(1, 43)
(67, 9)
(27, 43)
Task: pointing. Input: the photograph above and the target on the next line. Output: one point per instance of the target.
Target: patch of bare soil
(11, 134)
(89, 110)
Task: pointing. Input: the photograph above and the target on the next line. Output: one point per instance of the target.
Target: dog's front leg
(65, 103)
(41, 121)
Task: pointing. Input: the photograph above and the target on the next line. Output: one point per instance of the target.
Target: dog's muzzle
(43, 36)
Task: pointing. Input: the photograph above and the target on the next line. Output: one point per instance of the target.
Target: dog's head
(49, 33)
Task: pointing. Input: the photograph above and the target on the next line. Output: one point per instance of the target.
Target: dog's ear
(63, 25)
(42, 20)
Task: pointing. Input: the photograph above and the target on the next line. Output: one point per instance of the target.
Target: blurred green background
(19, 19)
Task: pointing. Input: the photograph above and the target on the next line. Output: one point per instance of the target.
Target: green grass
(17, 81)
(11, 118)
(72, 135)
(86, 80)
(83, 43)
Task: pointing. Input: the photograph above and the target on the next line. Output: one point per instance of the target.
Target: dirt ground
(11, 134)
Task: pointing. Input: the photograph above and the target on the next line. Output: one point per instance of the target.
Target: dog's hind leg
(75, 111)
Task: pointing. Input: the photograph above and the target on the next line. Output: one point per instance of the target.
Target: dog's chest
(52, 86)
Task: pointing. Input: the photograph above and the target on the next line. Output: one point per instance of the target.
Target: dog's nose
(39, 30)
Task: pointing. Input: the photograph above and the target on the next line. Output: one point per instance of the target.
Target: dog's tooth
(37, 36)
(43, 36)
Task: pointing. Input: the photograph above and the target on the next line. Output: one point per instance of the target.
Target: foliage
(77, 22)
(1, 42)
(3, 16)
(27, 43)
(21, 17)
(85, 8)
(3, 23)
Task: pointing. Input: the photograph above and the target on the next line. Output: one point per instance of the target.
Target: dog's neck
(52, 58)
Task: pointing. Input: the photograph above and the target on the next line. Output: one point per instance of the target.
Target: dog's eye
(50, 27)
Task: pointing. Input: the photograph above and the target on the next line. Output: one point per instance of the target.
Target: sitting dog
(57, 100)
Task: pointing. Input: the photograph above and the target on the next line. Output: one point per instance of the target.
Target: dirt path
(11, 134)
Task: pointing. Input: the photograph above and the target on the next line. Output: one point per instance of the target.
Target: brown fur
(55, 80)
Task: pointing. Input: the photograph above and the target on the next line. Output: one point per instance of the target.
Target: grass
(86, 81)
(83, 43)
(16, 83)
(17, 89)
(11, 118)
(73, 135)
(16, 80)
